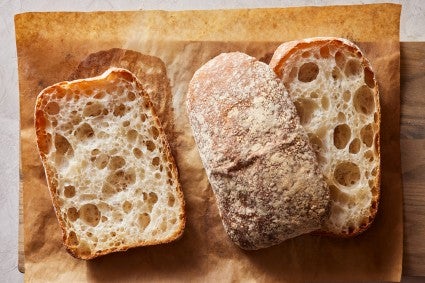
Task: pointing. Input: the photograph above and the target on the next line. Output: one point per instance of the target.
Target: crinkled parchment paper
(50, 47)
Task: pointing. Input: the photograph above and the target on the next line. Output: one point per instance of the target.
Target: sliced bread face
(111, 176)
(336, 95)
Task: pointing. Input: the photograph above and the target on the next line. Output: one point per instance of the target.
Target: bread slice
(257, 157)
(335, 91)
(111, 176)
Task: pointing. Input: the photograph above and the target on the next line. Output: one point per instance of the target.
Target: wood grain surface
(412, 138)
(412, 142)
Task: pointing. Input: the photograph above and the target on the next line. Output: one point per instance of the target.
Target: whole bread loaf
(111, 176)
(257, 157)
(334, 89)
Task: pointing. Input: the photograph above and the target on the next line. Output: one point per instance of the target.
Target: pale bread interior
(111, 173)
(336, 99)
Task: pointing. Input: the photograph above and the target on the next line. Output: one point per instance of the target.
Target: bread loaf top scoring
(256, 154)
(334, 89)
(110, 173)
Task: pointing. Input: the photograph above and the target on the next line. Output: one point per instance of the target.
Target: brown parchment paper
(51, 45)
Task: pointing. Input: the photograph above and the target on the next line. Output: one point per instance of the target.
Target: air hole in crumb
(150, 145)
(143, 117)
(163, 226)
(102, 134)
(132, 135)
(347, 173)
(155, 161)
(137, 152)
(363, 100)
(305, 109)
(171, 200)
(155, 132)
(324, 52)
(308, 72)
(62, 145)
(126, 206)
(336, 73)
(341, 117)
(101, 161)
(354, 146)
(99, 95)
(314, 95)
(152, 198)
(368, 77)
(116, 162)
(157, 175)
(119, 110)
(369, 155)
(84, 131)
(84, 249)
(340, 59)
(306, 54)
(366, 134)
(52, 108)
(375, 117)
(72, 239)
(113, 234)
(374, 171)
(352, 67)
(342, 134)
(73, 214)
(346, 96)
(371, 183)
(144, 220)
(325, 102)
(90, 214)
(92, 109)
(126, 123)
(104, 218)
(131, 96)
(95, 151)
(173, 221)
(69, 191)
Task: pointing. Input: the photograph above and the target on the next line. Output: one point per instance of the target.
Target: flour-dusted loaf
(111, 176)
(259, 162)
(334, 89)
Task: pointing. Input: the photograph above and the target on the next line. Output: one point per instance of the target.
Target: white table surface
(412, 29)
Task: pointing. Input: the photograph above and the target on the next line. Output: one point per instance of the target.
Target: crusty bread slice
(111, 176)
(257, 157)
(334, 89)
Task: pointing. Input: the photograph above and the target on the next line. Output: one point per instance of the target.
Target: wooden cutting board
(412, 138)
(412, 142)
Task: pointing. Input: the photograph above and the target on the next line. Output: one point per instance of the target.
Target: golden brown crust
(43, 143)
(279, 63)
